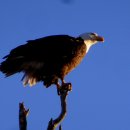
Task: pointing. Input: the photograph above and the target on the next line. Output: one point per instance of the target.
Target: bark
(63, 95)
(22, 117)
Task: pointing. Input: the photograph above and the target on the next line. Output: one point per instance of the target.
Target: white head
(91, 39)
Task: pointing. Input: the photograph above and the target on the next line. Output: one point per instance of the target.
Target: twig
(63, 94)
(22, 117)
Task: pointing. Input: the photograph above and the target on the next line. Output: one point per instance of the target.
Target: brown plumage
(48, 59)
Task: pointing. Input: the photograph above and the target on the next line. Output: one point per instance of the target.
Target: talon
(64, 87)
(67, 86)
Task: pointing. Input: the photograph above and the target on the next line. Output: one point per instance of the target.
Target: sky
(100, 99)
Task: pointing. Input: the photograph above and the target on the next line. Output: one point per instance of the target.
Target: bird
(48, 59)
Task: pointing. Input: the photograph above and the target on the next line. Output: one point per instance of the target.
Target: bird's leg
(58, 88)
(63, 87)
(66, 86)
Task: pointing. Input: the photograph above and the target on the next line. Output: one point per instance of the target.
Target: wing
(47, 49)
(36, 53)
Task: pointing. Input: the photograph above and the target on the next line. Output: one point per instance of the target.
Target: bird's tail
(11, 66)
(17, 64)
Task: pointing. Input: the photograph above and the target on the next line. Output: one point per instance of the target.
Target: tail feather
(29, 79)
(10, 67)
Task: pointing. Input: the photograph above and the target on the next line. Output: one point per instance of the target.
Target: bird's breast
(78, 55)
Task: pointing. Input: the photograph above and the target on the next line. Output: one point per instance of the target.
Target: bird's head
(91, 39)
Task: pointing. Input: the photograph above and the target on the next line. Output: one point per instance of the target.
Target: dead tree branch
(52, 123)
(63, 94)
(22, 117)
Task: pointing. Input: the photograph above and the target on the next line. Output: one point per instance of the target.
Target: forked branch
(52, 123)
(63, 95)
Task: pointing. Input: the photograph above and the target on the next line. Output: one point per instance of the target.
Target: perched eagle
(48, 59)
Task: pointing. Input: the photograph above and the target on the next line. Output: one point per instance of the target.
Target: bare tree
(53, 123)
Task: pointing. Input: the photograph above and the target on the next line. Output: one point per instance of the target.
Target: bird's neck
(88, 44)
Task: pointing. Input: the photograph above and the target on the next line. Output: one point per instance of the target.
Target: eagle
(48, 59)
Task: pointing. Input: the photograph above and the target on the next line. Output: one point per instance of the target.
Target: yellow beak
(100, 38)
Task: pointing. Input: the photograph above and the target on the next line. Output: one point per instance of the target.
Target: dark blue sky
(100, 99)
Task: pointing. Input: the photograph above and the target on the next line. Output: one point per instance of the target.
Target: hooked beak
(100, 39)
